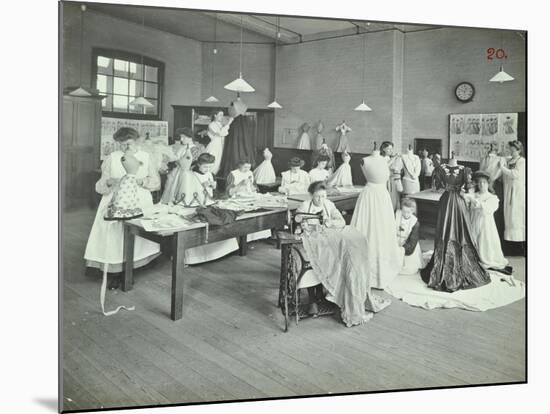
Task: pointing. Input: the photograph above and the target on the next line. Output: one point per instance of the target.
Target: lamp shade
(501, 76)
(274, 105)
(212, 99)
(80, 92)
(237, 108)
(141, 101)
(239, 85)
(363, 107)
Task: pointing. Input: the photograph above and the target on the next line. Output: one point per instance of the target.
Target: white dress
(413, 262)
(265, 173)
(294, 183)
(374, 217)
(514, 200)
(411, 169)
(342, 176)
(210, 251)
(217, 133)
(318, 174)
(105, 243)
(484, 230)
(304, 142)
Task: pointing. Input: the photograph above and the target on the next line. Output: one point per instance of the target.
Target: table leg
(128, 251)
(178, 262)
(243, 245)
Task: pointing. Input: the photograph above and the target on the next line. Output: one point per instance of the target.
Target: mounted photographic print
(220, 241)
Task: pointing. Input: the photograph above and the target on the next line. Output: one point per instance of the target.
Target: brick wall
(436, 61)
(182, 57)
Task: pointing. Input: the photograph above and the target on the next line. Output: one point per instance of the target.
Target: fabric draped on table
(455, 263)
(337, 258)
(239, 144)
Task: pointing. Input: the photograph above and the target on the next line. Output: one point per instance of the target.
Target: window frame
(133, 58)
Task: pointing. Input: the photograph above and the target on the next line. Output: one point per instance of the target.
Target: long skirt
(106, 240)
(455, 263)
(374, 218)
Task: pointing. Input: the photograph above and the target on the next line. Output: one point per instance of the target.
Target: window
(122, 77)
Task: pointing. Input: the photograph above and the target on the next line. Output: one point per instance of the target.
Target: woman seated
(483, 205)
(202, 169)
(295, 180)
(241, 180)
(320, 171)
(408, 235)
(336, 254)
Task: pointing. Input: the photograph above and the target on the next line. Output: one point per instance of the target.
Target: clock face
(465, 92)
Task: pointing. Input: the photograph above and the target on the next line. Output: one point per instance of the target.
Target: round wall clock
(465, 92)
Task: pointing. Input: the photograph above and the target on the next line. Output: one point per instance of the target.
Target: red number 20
(493, 53)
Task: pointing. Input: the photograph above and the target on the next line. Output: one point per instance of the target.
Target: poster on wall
(471, 134)
(157, 130)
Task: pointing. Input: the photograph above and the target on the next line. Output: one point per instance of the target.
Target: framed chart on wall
(471, 134)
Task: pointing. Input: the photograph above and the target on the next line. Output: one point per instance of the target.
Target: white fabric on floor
(412, 290)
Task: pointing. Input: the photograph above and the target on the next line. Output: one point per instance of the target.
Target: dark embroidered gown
(455, 263)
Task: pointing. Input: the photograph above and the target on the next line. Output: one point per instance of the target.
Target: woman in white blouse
(105, 243)
(513, 174)
(217, 131)
(320, 172)
(295, 180)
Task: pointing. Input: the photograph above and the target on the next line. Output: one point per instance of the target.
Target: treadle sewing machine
(295, 265)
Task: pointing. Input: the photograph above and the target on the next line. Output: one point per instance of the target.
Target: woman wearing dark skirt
(455, 263)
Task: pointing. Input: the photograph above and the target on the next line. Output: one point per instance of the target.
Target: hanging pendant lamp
(81, 91)
(239, 84)
(212, 98)
(501, 76)
(140, 100)
(275, 104)
(363, 107)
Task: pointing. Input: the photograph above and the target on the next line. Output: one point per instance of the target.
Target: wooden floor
(230, 344)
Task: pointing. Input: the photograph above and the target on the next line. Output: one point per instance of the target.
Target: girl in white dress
(342, 176)
(295, 180)
(264, 173)
(204, 183)
(513, 174)
(320, 172)
(408, 235)
(483, 205)
(217, 131)
(374, 218)
(105, 243)
(304, 141)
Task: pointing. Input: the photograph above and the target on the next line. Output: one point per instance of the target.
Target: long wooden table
(200, 234)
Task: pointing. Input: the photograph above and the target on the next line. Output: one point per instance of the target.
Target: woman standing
(514, 193)
(483, 205)
(374, 218)
(336, 256)
(105, 243)
(455, 263)
(395, 165)
(217, 131)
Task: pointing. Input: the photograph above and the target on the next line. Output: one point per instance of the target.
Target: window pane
(137, 109)
(154, 110)
(120, 103)
(121, 86)
(151, 90)
(104, 65)
(107, 103)
(121, 68)
(136, 88)
(101, 84)
(136, 70)
(151, 74)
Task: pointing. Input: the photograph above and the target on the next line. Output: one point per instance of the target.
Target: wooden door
(80, 161)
